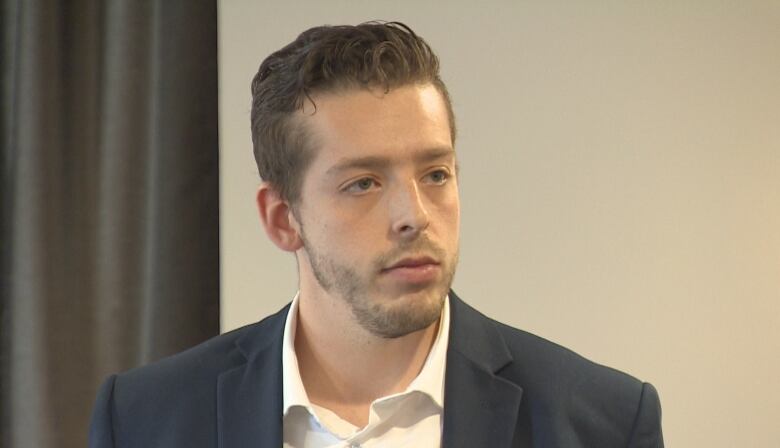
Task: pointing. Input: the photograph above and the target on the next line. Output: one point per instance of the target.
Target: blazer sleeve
(646, 432)
(101, 429)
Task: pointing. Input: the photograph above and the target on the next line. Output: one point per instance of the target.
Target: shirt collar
(293, 392)
(429, 381)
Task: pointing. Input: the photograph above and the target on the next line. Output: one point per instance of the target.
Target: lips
(412, 262)
(416, 270)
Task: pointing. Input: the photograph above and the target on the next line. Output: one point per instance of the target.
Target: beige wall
(620, 185)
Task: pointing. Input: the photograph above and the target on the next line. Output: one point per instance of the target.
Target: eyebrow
(376, 162)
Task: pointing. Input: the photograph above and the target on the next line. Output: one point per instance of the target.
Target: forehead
(399, 124)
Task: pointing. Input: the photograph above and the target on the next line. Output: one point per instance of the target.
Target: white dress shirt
(410, 418)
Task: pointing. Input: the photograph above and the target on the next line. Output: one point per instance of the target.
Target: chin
(404, 313)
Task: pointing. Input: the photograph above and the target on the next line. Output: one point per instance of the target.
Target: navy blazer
(503, 388)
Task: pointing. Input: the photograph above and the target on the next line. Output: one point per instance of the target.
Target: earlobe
(276, 216)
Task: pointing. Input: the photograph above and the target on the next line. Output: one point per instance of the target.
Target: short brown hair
(327, 59)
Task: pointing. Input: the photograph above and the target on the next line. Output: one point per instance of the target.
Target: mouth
(412, 262)
(422, 269)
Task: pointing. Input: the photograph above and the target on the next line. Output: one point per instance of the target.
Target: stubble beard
(385, 320)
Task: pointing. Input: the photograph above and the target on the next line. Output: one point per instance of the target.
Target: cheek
(445, 223)
(349, 233)
(448, 211)
(353, 217)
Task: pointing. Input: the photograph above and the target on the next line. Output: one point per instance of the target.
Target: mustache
(420, 246)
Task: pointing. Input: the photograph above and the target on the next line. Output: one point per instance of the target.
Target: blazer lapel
(249, 397)
(480, 408)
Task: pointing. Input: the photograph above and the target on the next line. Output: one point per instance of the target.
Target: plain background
(620, 185)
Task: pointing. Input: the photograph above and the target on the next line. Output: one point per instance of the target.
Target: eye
(438, 177)
(361, 185)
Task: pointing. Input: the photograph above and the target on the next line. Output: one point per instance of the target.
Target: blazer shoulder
(566, 394)
(214, 355)
(176, 397)
(534, 357)
(192, 373)
(548, 359)
(594, 401)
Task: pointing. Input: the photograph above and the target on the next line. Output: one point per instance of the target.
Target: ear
(275, 213)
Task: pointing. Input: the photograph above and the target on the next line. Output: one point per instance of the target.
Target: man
(354, 138)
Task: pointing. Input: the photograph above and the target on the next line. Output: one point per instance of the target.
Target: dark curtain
(109, 229)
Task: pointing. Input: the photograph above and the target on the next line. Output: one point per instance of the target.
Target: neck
(343, 366)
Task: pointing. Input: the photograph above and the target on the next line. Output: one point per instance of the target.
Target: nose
(409, 213)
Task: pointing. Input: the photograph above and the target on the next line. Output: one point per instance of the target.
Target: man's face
(379, 212)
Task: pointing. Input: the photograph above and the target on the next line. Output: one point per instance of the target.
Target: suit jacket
(503, 388)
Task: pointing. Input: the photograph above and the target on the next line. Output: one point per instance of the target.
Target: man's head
(365, 192)
(329, 59)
